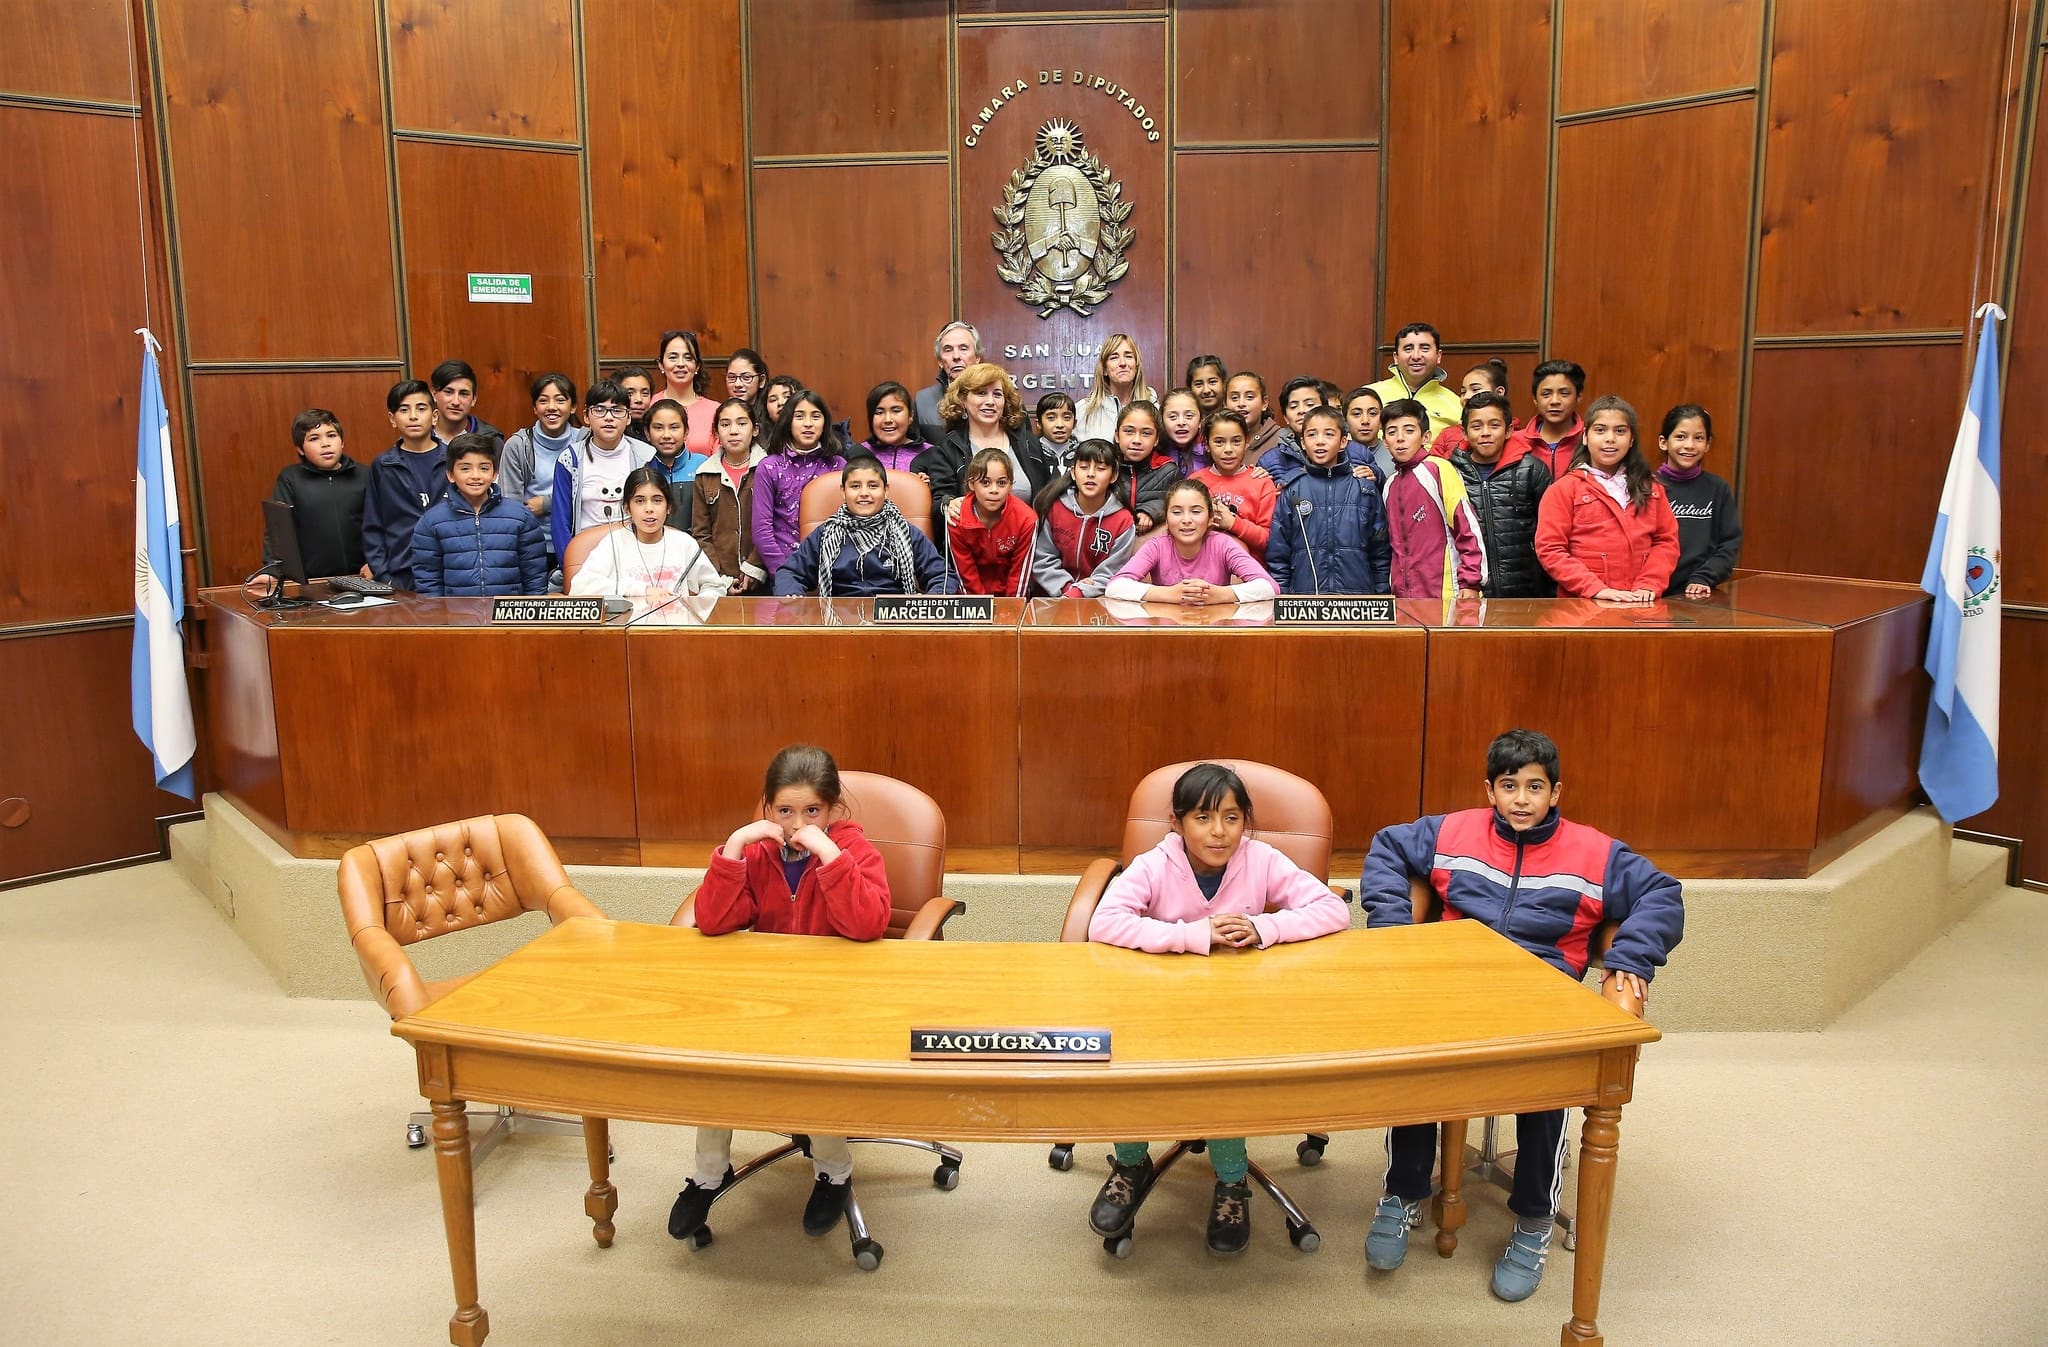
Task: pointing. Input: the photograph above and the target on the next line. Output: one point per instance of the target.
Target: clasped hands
(1232, 930)
(810, 838)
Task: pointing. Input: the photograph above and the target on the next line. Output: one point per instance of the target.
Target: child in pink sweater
(1205, 888)
(1187, 562)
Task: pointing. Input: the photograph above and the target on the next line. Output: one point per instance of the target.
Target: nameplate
(1326, 610)
(930, 610)
(1009, 1045)
(515, 608)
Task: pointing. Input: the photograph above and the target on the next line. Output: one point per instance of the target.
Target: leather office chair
(398, 891)
(823, 495)
(580, 547)
(1486, 1161)
(1293, 818)
(907, 827)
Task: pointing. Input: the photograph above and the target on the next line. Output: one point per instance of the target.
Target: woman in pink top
(1205, 888)
(1188, 562)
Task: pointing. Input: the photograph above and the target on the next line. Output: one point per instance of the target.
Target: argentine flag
(1959, 753)
(162, 705)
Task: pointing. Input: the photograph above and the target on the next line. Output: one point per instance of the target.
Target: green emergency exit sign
(500, 287)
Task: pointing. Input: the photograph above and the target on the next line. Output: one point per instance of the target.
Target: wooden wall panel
(1648, 282)
(2022, 808)
(847, 292)
(244, 421)
(1458, 359)
(70, 295)
(1301, 292)
(1309, 71)
(509, 344)
(2023, 466)
(849, 76)
(1881, 418)
(503, 69)
(284, 208)
(1617, 52)
(65, 747)
(1468, 145)
(668, 180)
(67, 49)
(1874, 170)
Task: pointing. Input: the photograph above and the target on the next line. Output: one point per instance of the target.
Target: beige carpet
(192, 1158)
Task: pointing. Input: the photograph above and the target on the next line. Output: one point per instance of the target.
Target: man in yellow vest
(1416, 374)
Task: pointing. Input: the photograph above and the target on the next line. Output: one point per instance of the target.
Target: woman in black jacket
(1505, 499)
(983, 410)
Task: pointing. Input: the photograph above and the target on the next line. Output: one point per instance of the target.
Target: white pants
(831, 1157)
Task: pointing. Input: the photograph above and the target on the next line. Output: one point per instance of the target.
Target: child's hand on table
(1233, 930)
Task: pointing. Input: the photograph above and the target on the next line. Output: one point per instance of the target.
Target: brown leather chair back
(906, 826)
(579, 550)
(1291, 814)
(397, 891)
(823, 496)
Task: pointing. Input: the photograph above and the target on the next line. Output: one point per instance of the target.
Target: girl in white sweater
(649, 561)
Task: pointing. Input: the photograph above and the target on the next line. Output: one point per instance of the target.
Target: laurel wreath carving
(1091, 288)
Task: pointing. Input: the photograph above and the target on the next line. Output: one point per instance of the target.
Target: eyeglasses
(733, 378)
(607, 411)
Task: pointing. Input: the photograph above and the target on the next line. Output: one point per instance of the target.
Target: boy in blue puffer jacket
(1548, 885)
(473, 541)
(1329, 530)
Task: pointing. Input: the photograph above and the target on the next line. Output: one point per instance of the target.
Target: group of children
(1210, 887)
(1203, 495)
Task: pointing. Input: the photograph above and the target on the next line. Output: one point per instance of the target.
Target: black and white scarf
(885, 531)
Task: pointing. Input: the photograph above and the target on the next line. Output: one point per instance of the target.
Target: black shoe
(1230, 1217)
(1111, 1214)
(827, 1205)
(693, 1206)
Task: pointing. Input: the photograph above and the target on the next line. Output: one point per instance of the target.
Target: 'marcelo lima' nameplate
(1333, 610)
(935, 610)
(1010, 1045)
(517, 608)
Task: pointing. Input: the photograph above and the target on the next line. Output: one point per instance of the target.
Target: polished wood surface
(1648, 299)
(1865, 119)
(538, 230)
(288, 199)
(1284, 70)
(1801, 399)
(2023, 480)
(849, 77)
(1617, 52)
(511, 74)
(59, 48)
(1468, 159)
(1103, 703)
(1225, 225)
(668, 187)
(241, 706)
(664, 1024)
(936, 708)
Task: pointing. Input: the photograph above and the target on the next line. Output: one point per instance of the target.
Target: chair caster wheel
(1061, 1158)
(1117, 1246)
(1197, 1147)
(946, 1177)
(611, 1155)
(700, 1239)
(1571, 1241)
(1304, 1238)
(867, 1255)
(1309, 1150)
(415, 1135)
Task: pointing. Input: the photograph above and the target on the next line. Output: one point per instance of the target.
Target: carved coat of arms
(1063, 240)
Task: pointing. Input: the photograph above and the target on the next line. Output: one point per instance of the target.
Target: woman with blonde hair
(1119, 381)
(983, 410)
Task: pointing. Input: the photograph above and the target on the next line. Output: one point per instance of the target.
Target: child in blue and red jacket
(803, 868)
(1547, 885)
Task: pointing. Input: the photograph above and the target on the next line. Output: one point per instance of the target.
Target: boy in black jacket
(1505, 498)
(325, 490)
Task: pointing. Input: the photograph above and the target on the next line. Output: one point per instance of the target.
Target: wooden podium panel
(1109, 691)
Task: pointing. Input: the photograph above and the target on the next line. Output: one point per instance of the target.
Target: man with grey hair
(957, 346)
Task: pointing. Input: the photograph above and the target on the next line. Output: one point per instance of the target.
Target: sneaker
(1520, 1269)
(827, 1205)
(1230, 1217)
(1111, 1214)
(1386, 1243)
(693, 1206)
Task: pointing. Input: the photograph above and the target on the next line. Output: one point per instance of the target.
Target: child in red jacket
(801, 869)
(991, 542)
(1605, 529)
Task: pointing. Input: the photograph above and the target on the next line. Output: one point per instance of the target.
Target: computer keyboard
(355, 584)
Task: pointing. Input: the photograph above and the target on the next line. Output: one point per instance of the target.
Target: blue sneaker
(1520, 1269)
(1386, 1244)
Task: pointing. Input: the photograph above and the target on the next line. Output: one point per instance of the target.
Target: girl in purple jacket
(802, 446)
(1205, 888)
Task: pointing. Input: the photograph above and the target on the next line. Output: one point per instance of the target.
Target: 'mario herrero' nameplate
(1010, 1045)
(935, 610)
(512, 608)
(1332, 610)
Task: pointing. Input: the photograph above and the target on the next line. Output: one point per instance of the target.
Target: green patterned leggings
(1226, 1157)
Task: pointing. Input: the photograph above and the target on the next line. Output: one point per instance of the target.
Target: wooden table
(778, 1033)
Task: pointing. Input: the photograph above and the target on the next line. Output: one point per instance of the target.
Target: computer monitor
(283, 531)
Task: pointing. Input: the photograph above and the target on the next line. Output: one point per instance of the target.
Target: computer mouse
(344, 598)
